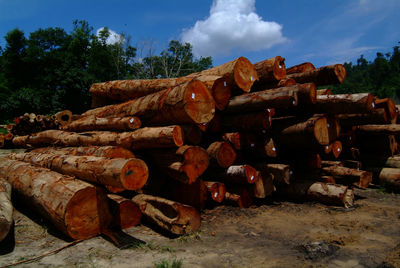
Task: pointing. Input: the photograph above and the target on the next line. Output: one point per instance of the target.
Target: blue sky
(320, 31)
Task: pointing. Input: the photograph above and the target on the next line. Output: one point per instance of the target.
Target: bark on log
(221, 153)
(246, 121)
(388, 105)
(281, 173)
(185, 164)
(130, 174)
(125, 213)
(264, 185)
(348, 176)
(143, 138)
(64, 117)
(327, 75)
(217, 190)
(270, 70)
(171, 216)
(99, 151)
(328, 163)
(324, 91)
(344, 103)
(377, 116)
(300, 68)
(89, 123)
(190, 102)
(259, 101)
(379, 129)
(241, 174)
(390, 178)
(239, 73)
(6, 208)
(75, 207)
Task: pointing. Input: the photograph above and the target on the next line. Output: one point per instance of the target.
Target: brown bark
(344, 103)
(327, 75)
(194, 195)
(99, 151)
(130, 173)
(221, 153)
(169, 215)
(379, 129)
(241, 174)
(264, 185)
(328, 163)
(240, 198)
(89, 123)
(185, 164)
(270, 70)
(284, 97)
(247, 121)
(217, 190)
(6, 208)
(388, 105)
(293, 132)
(190, 102)
(300, 68)
(239, 73)
(281, 173)
(143, 138)
(377, 116)
(345, 175)
(324, 91)
(125, 213)
(75, 207)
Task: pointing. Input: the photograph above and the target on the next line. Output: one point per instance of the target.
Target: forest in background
(52, 70)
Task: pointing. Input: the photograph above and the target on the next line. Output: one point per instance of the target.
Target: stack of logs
(239, 132)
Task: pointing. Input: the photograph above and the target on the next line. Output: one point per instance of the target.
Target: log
(99, 151)
(352, 164)
(240, 73)
(169, 215)
(185, 164)
(63, 118)
(125, 213)
(89, 123)
(257, 121)
(388, 105)
(392, 129)
(219, 88)
(281, 173)
(374, 160)
(377, 116)
(241, 174)
(240, 198)
(293, 132)
(130, 174)
(300, 68)
(259, 101)
(217, 190)
(194, 195)
(385, 145)
(303, 161)
(328, 163)
(186, 103)
(285, 82)
(270, 70)
(6, 208)
(348, 176)
(221, 153)
(390, 178)
(76, 208)
(324, 91)
(143, 138)
(192, 134)
(326, 75)
(264, 185)
(344, 103)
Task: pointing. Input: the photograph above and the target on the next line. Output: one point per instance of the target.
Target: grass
(190, 237)
(150, 246)
(169, 263)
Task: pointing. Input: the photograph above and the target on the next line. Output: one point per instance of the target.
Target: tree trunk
(190, 102)
(270, 70)
(89, 123)
(169, 215)
(130, 174)
(143, 138)
(75, 207)
(348, 176)
(240, 73)
(6, 208)
(259, 101)
(344, 103)
(99, 151)
(125, 213)
(300, 68)
(221, 153)
(217, 190)
(184, 164)
(327, 75)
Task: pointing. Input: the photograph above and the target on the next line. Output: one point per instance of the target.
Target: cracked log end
(199, 103)
(244, 74)
(134, 174)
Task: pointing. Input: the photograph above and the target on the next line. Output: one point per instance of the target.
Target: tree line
(52, 70)
(381, 76)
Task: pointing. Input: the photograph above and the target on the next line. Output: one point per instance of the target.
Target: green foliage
(53, 70)
(169, 264)
(381, 77)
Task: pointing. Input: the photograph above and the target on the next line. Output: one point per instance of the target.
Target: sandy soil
(273, 234)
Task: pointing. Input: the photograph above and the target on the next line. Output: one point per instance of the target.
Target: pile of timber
(165, 149)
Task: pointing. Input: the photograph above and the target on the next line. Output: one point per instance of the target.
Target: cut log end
(178, 136)
(221, 92)
(321, 132)
(126, 213)
(223, 153)
(340, 72)
(64, 117)
(118, 152)
(134, 174)
(196, 162)
(217, 190)
(200, 105)
(245, 74)
(279, 68)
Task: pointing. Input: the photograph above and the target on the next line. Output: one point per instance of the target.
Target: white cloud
(232, 24)
(113, 38)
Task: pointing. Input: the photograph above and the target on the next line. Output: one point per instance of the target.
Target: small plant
(169, 264)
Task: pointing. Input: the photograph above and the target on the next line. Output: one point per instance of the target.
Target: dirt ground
(270, 234)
